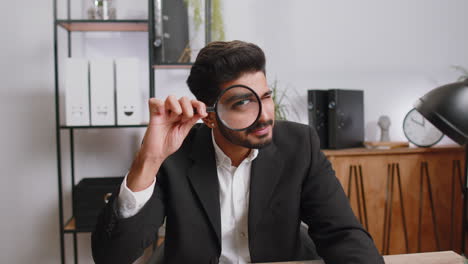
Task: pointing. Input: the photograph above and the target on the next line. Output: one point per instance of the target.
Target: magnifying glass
(238, 107)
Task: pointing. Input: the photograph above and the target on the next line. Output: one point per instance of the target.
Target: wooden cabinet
(409, 199)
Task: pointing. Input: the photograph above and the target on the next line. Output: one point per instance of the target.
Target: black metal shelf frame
(68, 227)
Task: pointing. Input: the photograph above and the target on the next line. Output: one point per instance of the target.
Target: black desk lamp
(446, 108)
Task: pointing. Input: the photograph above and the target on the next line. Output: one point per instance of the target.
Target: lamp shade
(446, 107)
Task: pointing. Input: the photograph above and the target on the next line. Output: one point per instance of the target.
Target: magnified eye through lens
(238, 107)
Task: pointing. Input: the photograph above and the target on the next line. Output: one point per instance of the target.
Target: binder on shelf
(318, 114)
(102, 92)
(77, 111)
(128, 93)
(172, 33)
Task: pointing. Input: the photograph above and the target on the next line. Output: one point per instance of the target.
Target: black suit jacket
(291, 181)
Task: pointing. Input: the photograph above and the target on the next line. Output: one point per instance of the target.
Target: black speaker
(318, 114)
(345, 118)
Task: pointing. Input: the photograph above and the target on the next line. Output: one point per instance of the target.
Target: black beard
(236, 138)
(259, 126)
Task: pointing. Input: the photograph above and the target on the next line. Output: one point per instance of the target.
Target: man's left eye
(242, 102)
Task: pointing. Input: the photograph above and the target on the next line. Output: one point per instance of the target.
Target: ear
(210, 120)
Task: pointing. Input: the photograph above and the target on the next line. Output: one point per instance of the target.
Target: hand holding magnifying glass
(238, 108)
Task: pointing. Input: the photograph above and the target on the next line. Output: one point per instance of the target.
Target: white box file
(101, 74)
(76, 92)
(128, 91)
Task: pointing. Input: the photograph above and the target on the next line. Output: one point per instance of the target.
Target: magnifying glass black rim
(227, 89)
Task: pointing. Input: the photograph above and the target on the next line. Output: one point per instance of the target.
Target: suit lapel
(204, 178)
(265, 173)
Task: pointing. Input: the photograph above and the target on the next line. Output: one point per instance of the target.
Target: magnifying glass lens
(238, 108)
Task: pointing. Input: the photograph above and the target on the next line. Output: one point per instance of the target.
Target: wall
(28, 193)
(394, 50)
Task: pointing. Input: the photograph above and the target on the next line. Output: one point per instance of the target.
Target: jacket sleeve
(122, 240)
(333, 227)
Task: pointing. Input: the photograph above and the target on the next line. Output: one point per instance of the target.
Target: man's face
(261, 133)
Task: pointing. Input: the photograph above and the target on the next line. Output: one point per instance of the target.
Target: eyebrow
(268, 93)
(237, 97)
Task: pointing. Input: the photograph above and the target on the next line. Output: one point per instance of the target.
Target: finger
(200, 107)
(156, 106)
(187, 109)
(189, 123)
(172, 104)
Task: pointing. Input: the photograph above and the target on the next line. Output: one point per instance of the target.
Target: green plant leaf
(197, 18)
(462, 70)
(217, 24)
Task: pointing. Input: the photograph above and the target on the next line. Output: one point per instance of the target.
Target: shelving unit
(83, 25)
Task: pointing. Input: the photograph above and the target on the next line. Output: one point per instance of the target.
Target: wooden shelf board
(172, 66)
(70, 227)
(410, 150)
(386, 145)
(103, 25)
(91, 127)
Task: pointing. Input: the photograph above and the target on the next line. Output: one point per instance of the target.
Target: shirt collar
(222, 160)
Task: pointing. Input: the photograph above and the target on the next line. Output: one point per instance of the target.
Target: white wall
(28, 192)
(394, 50)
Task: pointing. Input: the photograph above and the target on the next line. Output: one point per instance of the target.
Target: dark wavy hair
(221, 62)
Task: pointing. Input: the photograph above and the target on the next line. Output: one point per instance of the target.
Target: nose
(266, 113)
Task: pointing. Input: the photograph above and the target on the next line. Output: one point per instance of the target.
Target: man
(229, 196)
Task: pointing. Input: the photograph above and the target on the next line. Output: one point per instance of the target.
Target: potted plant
(283, 105)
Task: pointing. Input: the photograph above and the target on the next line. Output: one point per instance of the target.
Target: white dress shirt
(234, 186)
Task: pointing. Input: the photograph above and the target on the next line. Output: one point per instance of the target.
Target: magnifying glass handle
(208, 109)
